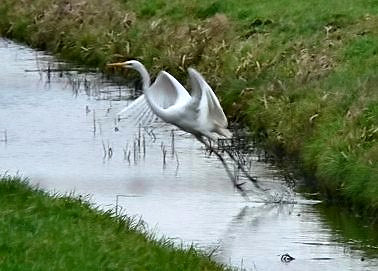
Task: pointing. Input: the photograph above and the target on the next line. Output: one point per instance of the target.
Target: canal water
(58, 127)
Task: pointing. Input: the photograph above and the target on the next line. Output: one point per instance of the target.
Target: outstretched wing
(138, 112)
(135, 105)
(205, 101)
(166, 91)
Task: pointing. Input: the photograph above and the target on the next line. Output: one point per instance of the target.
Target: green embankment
(303, 75)
(41, 232)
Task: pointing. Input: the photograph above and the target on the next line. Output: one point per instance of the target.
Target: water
(52, 139)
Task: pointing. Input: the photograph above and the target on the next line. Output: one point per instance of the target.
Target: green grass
(303, 75)
(42, 232)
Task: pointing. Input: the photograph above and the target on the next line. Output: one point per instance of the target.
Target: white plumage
(199, 113)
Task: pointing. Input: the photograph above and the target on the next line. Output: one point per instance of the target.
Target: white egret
(199, 113)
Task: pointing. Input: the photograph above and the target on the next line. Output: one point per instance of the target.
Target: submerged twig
(61, 70)
(164, 151)
(125, 149)
(135, 152)
(5, 140)
(128, 156)
(172, 142)
(139, 137)
(126, 153)
(144, 146)
(116, 129)
(94, 122)
(177, 163)
(177, 160)
(110, 151)
(110, 107)
(104, 148)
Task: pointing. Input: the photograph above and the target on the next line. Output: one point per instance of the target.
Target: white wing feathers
(168, 98)
(135, 105)
(167, 91)
(164, 92)
(205, 100)
(138, 112)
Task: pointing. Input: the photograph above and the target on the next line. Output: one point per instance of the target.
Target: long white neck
(146, 80)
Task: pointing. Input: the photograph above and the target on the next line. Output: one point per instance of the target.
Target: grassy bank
(41, 232)
(303, 75)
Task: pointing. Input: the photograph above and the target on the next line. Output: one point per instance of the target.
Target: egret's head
(131, 64)
(136, 65)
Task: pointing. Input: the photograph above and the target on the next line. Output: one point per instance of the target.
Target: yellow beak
(118, 64)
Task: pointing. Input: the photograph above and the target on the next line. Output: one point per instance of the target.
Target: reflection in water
(61, 132)
(351, 230)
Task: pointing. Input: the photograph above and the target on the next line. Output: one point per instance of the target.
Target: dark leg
(253, 180)
(232, 177)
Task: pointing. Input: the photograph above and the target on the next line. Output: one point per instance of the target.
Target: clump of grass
(302, 76)
(42, 232)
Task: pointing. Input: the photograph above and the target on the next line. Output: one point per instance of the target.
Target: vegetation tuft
(41, 232)
(303, 75)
